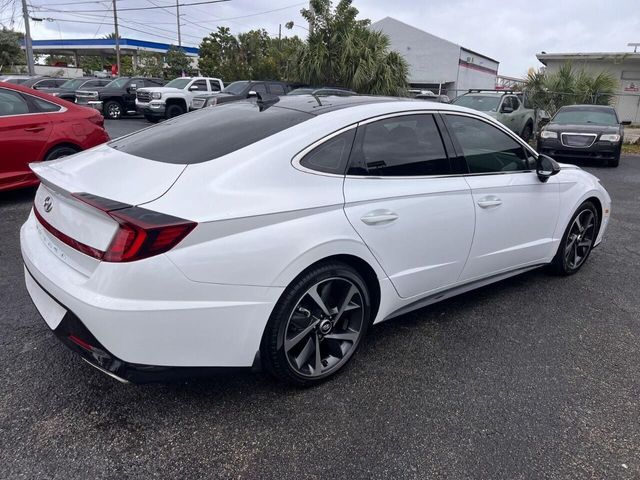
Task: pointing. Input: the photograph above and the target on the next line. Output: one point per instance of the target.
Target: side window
(42, 106)
(215, 86)
(409, 145)
(12, 103)
(137, 83)
(276, 89)
(201, 84)
(49, 83)
(260, 88)
(332, 155)
(515, 103)
(91, 83)
(486, 148)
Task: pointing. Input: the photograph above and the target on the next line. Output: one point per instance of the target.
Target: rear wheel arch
(51, 149)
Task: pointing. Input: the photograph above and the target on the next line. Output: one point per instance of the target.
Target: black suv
(118, 98)
(241, 90)
(67, 91)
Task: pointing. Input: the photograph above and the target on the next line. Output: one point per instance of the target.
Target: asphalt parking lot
(533, 377)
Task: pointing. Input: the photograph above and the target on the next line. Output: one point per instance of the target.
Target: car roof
(315, 105)
(586, 108)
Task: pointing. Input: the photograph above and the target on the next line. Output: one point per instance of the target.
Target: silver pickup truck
(506, 106)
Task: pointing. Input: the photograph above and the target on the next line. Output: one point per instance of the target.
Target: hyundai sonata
(274, 234)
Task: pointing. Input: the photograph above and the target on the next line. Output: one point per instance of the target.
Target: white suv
(174, 98)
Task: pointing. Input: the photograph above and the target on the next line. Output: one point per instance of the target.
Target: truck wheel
(151, 118)
(527, 132)
(174, 110)
(112, 110)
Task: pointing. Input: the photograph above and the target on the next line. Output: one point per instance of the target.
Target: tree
(10, 51)
(568, 86)
(178, 63)
(149, 64)
(343, 51)
(248, 56)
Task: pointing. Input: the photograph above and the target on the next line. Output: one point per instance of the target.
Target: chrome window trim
(300, 155)
(578, 134)
(61, 108)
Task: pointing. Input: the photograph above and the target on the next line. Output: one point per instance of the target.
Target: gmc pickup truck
(175, 98)
(505, 106)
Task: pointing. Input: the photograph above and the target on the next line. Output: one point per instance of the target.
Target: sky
(511, 31)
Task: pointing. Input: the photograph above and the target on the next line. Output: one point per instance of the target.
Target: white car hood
(162, 89)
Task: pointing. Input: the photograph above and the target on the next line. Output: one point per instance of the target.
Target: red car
(36, 127)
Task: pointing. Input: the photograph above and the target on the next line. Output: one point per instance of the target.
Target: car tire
(152, 119)
(305, 342)
(113, 110)
(59, 152)
(174, 110)
(614, 162)
(577, 241)
(527, 131)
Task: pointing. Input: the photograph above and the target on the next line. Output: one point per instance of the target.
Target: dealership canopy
(103, 46)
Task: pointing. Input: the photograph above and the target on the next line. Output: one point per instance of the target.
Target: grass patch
(631, 148)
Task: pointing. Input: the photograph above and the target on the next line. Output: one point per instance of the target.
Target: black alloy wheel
(317, 325)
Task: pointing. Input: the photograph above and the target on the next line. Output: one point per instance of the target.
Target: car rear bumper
(597, 151)
(143, 317)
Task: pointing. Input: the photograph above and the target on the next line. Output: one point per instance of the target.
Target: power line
(131, 9)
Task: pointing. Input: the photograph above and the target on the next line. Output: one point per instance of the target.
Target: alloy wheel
(580, 239)
(324, 328)
(114, 111)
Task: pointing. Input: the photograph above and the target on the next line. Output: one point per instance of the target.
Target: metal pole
(115, 27)
(178, 19)
(27, 38)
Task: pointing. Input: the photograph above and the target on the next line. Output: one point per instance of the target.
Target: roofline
(587, 55)
(481, 54)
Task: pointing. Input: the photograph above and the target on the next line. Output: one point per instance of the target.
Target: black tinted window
(400, 146)
(486, 148)
(49, 83)
(12, 103)
(201, 84)
(209, 133)
(260, 88)
(42, 106)
(276, 89)
(332, 155)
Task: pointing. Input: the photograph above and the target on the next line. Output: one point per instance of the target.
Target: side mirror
(252, 93)
(506, 109)
(543, 121)
(193, 88)
(546, 167)
(626, 122)
(132, 88)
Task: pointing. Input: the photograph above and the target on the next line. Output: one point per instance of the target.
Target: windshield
(117, 83)
(484, 103)
(581, 117)
(179, 82)
(73, 84)
(236, 88)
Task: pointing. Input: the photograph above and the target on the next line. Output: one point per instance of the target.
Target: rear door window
(404, 146)
(209, 133)
(276, 89)
(332, 155)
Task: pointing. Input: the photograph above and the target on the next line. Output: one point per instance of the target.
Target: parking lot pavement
(124, 126)
(533, 377)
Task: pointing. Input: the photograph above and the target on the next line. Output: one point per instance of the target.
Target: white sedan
(274, 233)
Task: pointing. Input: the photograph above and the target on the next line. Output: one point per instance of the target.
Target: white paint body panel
(262, 221)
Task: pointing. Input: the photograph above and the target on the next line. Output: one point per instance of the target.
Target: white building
(624, 66)
(435, 63)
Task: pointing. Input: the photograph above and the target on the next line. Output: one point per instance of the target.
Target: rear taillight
(141, 233)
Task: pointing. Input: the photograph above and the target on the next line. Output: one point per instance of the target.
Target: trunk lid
(104, 172)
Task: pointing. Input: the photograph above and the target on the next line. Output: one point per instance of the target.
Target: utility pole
(178, 19)
(27, 38)
(115, 27)
(280, 36)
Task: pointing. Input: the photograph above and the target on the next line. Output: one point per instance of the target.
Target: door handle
(34, 129)
(488, 202)
(379, 217)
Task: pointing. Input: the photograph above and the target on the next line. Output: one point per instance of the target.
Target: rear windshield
(484, 103)
(579, 117)
(208, 133)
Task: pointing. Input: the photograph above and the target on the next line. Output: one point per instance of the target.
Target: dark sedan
(583, 132)
(67, 91)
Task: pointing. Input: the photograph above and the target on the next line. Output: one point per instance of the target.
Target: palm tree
(342, 51)
(569, 86)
